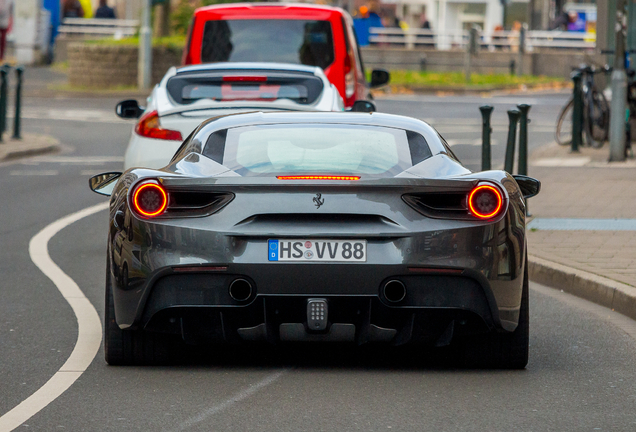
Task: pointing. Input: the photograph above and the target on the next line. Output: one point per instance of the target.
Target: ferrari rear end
(392, 261)
(239, 245)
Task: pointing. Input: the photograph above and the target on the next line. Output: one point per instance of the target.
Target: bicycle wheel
(563, 134)
(596, 119)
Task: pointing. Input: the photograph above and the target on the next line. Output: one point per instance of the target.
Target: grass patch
(60, 66)
(458, 80)
(174, 42)
(97, 90)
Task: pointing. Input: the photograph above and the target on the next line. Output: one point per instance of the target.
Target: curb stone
(597, 289)
(29, 145)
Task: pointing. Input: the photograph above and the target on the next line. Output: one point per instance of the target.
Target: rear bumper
(199, 307)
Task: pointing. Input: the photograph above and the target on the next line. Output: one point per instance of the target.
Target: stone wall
(108, 66)
(551, 63)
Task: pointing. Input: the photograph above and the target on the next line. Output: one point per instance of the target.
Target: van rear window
(272, 40)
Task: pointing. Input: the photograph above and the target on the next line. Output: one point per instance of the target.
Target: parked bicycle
(595, 112)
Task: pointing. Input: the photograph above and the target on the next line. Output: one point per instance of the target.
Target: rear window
(314, 149)
(274, 40)
(245, 86)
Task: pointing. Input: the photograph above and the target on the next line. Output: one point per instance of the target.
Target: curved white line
(89, 334)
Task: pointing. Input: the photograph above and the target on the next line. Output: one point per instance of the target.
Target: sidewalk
(594, 258)
(30, 145)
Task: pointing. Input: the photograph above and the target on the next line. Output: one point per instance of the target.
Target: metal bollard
(4, 71)
(486, 130)
(522, 48)
(577, 112)
(523, 139)
(513, 117)
(18, 103)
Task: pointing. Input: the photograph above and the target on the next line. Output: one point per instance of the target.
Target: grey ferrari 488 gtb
(316, 227)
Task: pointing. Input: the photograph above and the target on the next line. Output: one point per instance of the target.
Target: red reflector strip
(434, 270)
(196, 269)
(243, 78)
(318, 177)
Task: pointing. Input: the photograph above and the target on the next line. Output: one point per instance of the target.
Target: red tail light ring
(485, 201)
(150, 199)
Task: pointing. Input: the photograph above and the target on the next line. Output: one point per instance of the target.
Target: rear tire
(563, 133)
(131, 347)
(596, 120)
(502, 350)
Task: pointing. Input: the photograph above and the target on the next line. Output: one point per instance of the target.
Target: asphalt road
(581, 375)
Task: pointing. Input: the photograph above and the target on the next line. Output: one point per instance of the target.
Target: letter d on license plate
(317, 250)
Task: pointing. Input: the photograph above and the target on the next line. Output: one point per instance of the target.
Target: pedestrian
(6, 18)
(424, 22)
(104, 11)
(72, 9)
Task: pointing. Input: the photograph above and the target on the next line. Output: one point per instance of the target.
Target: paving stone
(590, 193)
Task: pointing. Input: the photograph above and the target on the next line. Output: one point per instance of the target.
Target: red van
(272, 32)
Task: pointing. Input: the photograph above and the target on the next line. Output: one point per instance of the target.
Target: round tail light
(485, 201)
(150, 199)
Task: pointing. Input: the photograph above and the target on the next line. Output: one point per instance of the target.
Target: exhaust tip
(240, 290)
(394, 291)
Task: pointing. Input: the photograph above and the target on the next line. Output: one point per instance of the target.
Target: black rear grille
(439, 205)
(335, 219)
(189, 203)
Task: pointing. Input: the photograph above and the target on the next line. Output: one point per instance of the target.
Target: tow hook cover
(317, 314)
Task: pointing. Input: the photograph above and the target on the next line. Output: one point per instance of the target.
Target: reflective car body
(175, 118)
(433, 270)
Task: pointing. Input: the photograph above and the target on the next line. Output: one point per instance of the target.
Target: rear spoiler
(228, 183)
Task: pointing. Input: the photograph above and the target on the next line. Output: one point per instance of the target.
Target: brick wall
(108, 66)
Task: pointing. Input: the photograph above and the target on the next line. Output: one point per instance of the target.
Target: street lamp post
(619, 89)
(144, 65)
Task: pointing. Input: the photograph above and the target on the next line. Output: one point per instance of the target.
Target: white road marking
(34, 172)
(469, 142)
(562, 162)
(80, 160)
(87, 115)
(447, 129)
(89, 327)
(238, 397)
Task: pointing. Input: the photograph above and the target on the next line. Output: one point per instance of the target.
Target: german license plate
(317, 250)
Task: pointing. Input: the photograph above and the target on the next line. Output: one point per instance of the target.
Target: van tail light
(150, 127)
(485, 201)
(350, 79)
(149, 199)
(186, 57)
